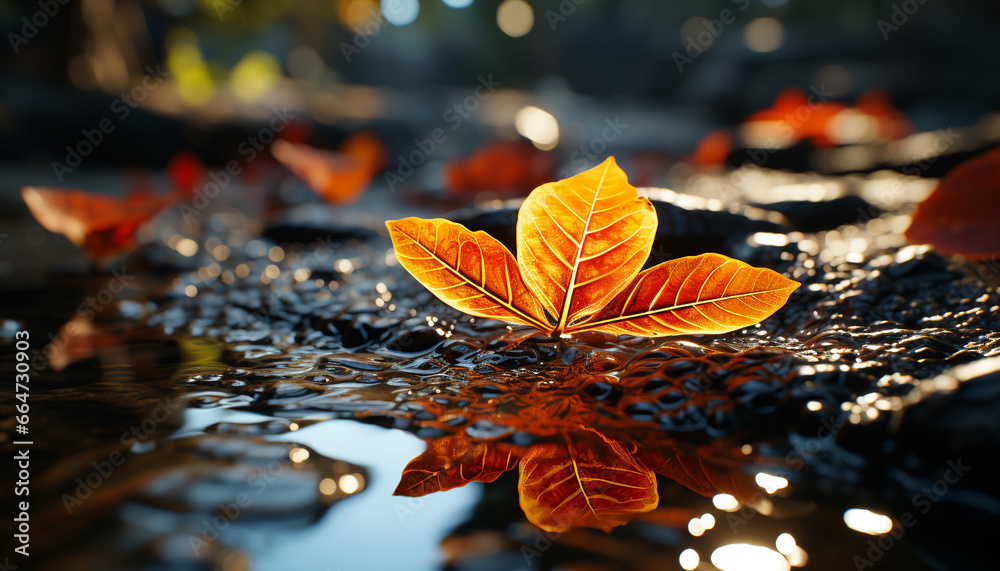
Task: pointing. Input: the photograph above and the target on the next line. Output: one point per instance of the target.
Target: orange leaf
(454, 461)
(713, 149)
(709, 293)
(469, 271)
(957, 217)
(580, 241)
(366, 148)
(103, 226)
(338, 177)
(596, 484)
(500, 166)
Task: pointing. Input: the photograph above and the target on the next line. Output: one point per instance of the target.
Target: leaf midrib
(587, 325)
(568, 299)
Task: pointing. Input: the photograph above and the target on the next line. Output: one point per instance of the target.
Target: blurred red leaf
(185, 172)
(499, 166)
(339, 177)
(101, 225)
(713, 149)
(960, 217)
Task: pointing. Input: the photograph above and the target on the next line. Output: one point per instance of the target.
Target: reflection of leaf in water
(600, 438)
(454, 461)
(586, 479)
(704, 474)
(584, 484)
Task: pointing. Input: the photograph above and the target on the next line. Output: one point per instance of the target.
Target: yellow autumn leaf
(581, 243)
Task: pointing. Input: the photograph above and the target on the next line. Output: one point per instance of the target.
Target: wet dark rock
(599, 390)
(415, 341)
(500, 223)
(684, 232)
(808, 216)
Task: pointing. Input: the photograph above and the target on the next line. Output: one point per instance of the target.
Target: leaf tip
(790, 284)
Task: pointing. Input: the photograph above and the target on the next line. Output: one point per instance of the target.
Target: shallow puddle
(256, 407)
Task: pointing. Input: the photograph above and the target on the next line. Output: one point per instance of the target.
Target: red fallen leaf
(794, 116)
(960, 217)
(499, 166)
(338, 177)
(787, 101)
(366, 148)
(454, 461)
(101, 225)
(713, 149)
(185, 172)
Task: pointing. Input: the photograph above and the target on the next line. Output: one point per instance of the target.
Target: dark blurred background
(673, 70)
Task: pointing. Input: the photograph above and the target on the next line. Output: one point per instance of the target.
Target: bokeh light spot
(254, 76)
(538, 126)
(400, 12)
(515, 17)
(764, 35)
